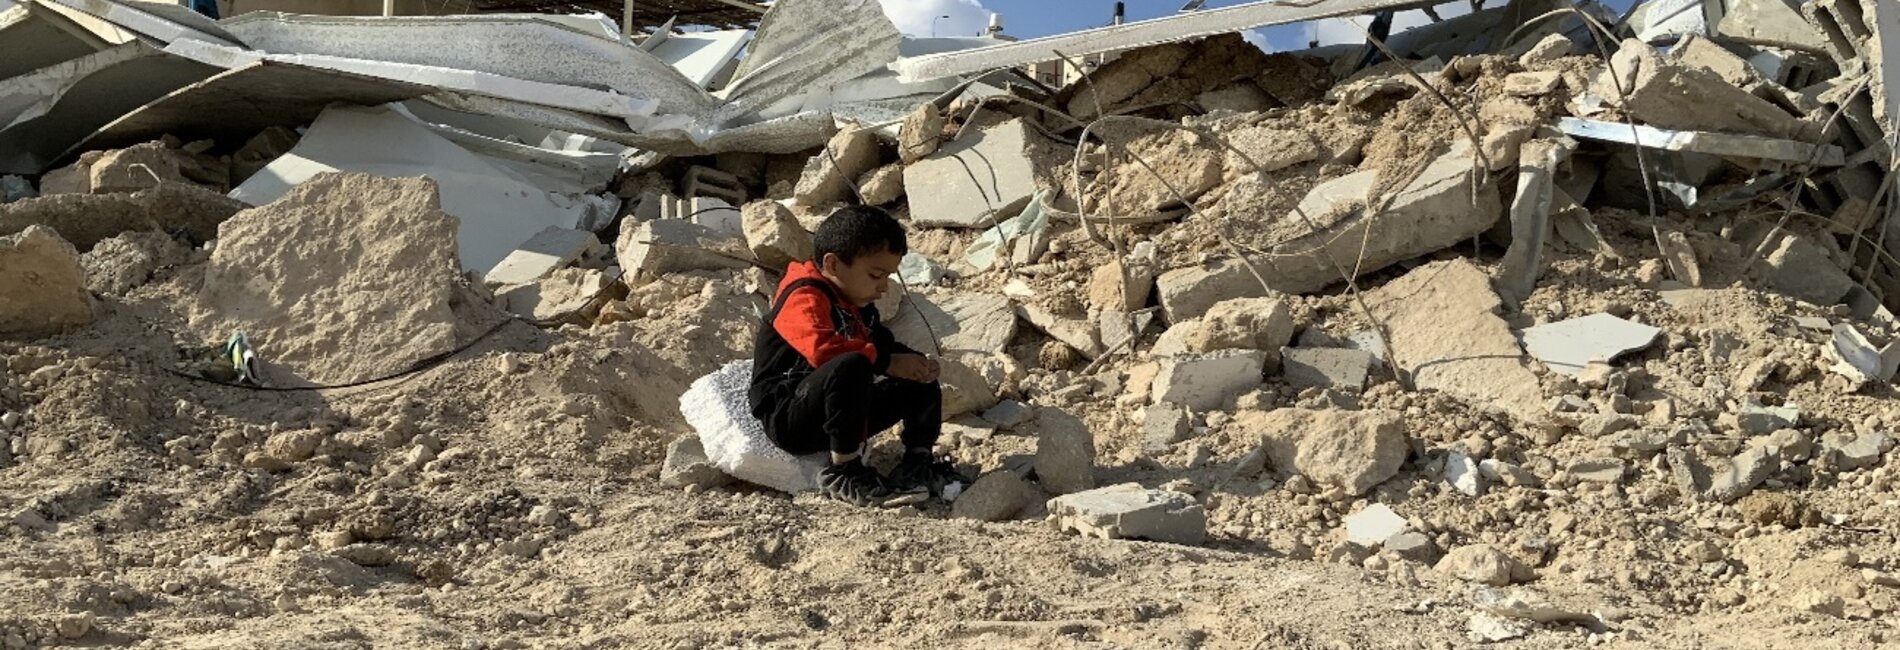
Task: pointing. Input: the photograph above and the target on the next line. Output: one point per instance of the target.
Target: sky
(1033, 18)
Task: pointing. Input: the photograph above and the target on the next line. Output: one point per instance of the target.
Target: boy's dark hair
(858, 230)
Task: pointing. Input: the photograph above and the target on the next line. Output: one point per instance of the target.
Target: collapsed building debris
(1526, 296)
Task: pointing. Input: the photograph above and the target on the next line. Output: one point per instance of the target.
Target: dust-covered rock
(45, 288)
(1351, 450)
(124, 262)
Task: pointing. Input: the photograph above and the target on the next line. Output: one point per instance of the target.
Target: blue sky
(1033, 18)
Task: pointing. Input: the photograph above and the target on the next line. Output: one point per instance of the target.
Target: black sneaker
(854, 483)
(920, 470)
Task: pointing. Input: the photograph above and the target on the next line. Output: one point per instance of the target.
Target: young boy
(827, 374)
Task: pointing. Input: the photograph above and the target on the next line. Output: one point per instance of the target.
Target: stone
(1129, 511)
(1485, 627)
(1532, 84)
(146, 166)
(664, 246)
(1569, 346)
(1078, 333)
(686, 464)
(1786, 444)
(1434, 212)
(774, 235)
(1181, 166)
(1065, 452)
(548, 250)
(300, 275)
(1188, 293)
(1205, 382)
(1507, 473)
(1109, 291)
(1340, 368)
(564, 296)
(1755, 419)
(1553, 47)
(1599, 470)
(996, 496)
(1665, 93)
(829, 176)
(1271, 149)
(973, 181)
(1349, 450)
(1771, 22)
(1777, 509)
(294, 446)
(192, 212)
(127, 261)
(1698, 51)
(1724, 481)
(882, 185)
(964, 389)
(1858, 452)
(1679, 256)
(1801, 269)
(1482, 564)
(1008, 414)
(921, 133)
(1446, 335)
(259, 151)
(1161, 426)
(1374, 524)
(73, 627)
(15, 188)
(954, 321)
(1412, 545)
(45, 288)
(1462, 473)
(1244, 324)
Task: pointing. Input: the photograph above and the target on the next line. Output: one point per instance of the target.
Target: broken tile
(1568, 346)
(542, 254)
(1373, 525)
(1129, 511)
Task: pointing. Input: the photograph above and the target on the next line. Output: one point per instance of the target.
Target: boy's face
(866, 278)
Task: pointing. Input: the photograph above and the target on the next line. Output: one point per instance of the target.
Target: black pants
(838, 407)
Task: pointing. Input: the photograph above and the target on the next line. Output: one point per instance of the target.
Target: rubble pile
(1505, 330)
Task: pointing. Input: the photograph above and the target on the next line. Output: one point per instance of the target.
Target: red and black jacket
(809, 325)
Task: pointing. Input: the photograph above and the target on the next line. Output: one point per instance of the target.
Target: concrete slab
(1325, 367)
(666, 246)
(966, 322)
(703, 57)
(1530, 217)
(1129, 511)
(47, 112)
(1568, 346)
(1662, 93)
(974, 180)
(1374, 524)
(1446, 336)
(1065, 452)
(802, 45)
(1718, 144)
(1078, 333)
(542, 254)
(161, 23)
(1857, 359)
(1205, 382)
(33, 37)
(1769, 22)
(497, 210)
(1803, 270)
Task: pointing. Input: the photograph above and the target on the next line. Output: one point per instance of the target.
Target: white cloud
(920, 17)
(1335, 31)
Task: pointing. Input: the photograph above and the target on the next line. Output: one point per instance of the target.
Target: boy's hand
(914, 367)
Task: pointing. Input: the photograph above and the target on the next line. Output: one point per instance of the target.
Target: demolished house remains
(1570, 319)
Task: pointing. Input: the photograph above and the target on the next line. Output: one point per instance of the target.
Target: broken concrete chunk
(1065, 452)
(1553, 47)
(45, 290)
(921, 133)
(1187, 293)
(1350, 450)
(1858, 452)
(1483, 564)
(1667, 94)
(541, 255)
(970, 182)
(1770, 22)
(1325, 367)
(997, 496)
(1724, 480)
(969, 322)
(1078, 333)
(1858, 360)
(882, 185)
(563, 296)
(1568, 346)
(1161, 426)
(1446, 334)
(1755, 419)
(964, 389)
(715, 214)
(686, 464)
(1374, 524)
(125, 262)
(1008, 414)
(86, 219)
(773, 234)
(1462, 473)
(1599, 470)
(1121, 287)
(1181, 166)
(1129, 511)
(1261, 149)
(1799, 268)
(1532, 84)
(1207, 381)
(666, 246)
(328, 276)
(1244, 324)
(830, 176)
(1507, 474)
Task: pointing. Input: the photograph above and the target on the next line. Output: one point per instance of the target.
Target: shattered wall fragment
(45, 291)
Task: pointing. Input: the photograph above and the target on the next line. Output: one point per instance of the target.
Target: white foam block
(716, 407)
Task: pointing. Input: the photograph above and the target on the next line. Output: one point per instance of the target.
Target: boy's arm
(805, 323)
